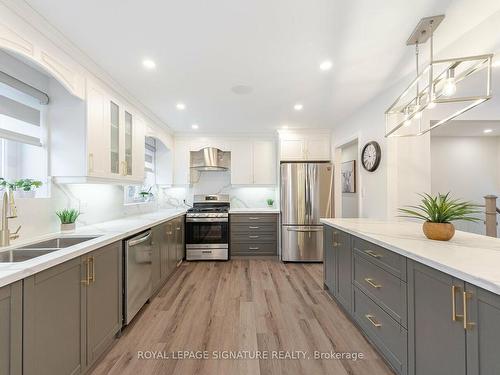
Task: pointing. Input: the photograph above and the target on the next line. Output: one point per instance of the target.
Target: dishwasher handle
(140, 240)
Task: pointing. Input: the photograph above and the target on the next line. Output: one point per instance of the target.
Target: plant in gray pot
(438, 212)
(68, 218)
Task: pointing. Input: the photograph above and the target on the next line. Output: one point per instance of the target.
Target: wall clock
(370, 156)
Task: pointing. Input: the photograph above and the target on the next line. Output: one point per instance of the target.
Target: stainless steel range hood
(210, 159)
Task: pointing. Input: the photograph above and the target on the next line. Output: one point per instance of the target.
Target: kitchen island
(427, 306)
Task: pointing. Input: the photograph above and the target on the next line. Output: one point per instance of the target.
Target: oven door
(200, 232)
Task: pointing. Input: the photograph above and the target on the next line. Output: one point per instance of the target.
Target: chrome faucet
(9, 211)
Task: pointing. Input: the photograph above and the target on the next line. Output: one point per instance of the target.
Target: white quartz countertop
(259, 210)
(107, 232)
(470, 257)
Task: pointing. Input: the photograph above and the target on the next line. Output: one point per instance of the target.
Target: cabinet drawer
(253, 237)
(254, 218)
(388, 260)
(385, 333)
(387, 290)
(264, 248)
(254, 228)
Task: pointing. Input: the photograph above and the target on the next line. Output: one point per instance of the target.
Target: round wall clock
(370, 156)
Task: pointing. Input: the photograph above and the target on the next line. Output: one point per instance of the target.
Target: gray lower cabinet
(179, 238)
(329, 262)
(338, 265)
(11, 326)
(483, 331)
(168, 250)
(436, 336)
(343, 249)
(54, 320)
(71, 313)
(452, 325)
(254, 234)
(104, 299)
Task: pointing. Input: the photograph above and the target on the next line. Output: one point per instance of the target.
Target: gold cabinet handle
(454, 316)
(86, 281)
(92, 276)
(466, 296)
(253, 236)
(373, 254)
(253, 248)
(253, 227)
(372, 320)
(372, 283)
(91, 162)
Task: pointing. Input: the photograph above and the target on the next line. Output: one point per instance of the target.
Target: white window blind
(20, 115)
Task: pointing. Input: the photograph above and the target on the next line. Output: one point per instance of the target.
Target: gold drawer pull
(466, 296)
(253, 227)
(92, 277)
(372, 320)
(253, 236)
(373, 254)
(454, 316)
(372, 283)
(86, 281)
(253, 248)
(253, 218)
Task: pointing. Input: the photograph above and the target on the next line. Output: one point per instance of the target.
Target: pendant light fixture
(442, 91)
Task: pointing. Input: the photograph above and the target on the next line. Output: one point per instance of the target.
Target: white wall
(350, 200)
(468, 167)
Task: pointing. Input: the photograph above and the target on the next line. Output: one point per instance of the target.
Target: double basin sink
(37, 249)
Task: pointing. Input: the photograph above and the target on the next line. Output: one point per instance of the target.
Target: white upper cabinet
(253, 162)
(113, 148)
(311, 146)
(264, 162)
(241, 163)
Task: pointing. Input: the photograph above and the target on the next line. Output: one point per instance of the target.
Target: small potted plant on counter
(68, 218)
(438, 213)
(270, 202)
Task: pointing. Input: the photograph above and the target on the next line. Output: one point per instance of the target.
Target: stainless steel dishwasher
(138, 265)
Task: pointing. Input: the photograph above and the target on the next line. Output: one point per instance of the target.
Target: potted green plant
(145, 194)
(26, 187)
(438, 213)
(270, 202)
(68, 218)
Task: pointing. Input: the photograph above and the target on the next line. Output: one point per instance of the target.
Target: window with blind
(23, 153)
(147, 192)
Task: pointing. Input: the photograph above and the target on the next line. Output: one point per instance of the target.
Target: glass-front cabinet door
(115, 137)
(129, 131)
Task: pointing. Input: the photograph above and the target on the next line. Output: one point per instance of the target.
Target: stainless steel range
(207, 228)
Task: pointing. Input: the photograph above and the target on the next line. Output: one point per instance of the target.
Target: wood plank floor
(241, 305)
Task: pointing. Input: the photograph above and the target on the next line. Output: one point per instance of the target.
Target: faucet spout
(9, 211)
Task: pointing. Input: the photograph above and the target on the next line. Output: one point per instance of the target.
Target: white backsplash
(220, 183)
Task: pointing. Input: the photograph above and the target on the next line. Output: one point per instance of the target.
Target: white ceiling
(468, 128)
(203, 48)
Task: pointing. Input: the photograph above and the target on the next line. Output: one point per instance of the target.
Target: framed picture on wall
(348, 173)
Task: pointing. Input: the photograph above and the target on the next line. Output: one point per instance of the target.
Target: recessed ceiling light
(284, 127)
(326, 65)
(180, 106)
(298, 107)
(148, 64)
(486, 131)
(194, 126)
(496, 63)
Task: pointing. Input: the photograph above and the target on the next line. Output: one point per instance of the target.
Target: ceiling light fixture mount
(437, 84)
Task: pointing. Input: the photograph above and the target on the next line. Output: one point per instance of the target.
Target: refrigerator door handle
(304, 230)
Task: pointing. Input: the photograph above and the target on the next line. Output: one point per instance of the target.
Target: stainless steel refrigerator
(306, 196)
